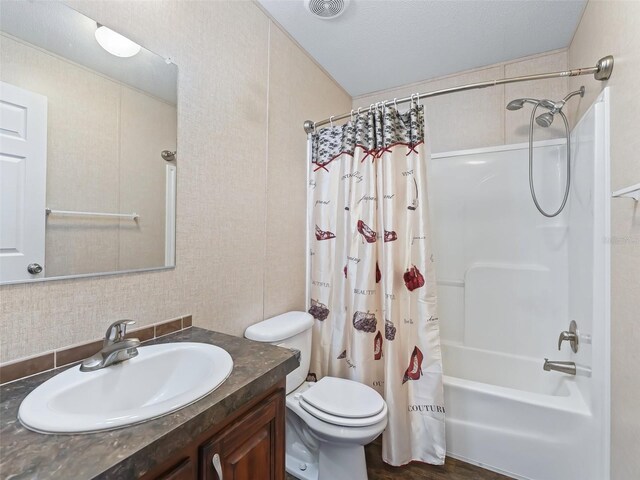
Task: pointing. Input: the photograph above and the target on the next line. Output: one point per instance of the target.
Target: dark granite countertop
(124, 453)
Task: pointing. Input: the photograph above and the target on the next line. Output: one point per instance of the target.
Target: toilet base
(342, 462)
(300, 469)
(335, 462)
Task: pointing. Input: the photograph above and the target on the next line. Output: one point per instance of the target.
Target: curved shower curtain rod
(602, 71)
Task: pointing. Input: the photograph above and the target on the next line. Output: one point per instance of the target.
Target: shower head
(515, 104)
(551, 105)
(518, 103)
(545, 120)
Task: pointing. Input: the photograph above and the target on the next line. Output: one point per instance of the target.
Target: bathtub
(506, 414)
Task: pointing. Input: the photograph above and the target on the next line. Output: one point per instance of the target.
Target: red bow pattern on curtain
(372, 275)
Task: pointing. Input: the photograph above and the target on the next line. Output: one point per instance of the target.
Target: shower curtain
(372, 275)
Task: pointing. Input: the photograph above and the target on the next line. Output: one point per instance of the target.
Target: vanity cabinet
(247, 449)
(241, 425)
(183, 471)
(249, 445)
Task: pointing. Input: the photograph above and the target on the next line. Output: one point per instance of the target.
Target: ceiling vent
(326, 9)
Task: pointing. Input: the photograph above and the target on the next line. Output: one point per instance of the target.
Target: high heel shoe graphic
(377, 346)
(414, 201)
(414, 371)
(368, 234)
(378, 274)
(324, 234)
(390, 236)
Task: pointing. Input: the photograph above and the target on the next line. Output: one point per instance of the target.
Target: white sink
(161, 379)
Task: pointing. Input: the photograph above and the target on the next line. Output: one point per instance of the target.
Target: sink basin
(160, 380)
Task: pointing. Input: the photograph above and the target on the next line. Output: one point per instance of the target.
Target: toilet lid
(343, 421)
(343, 398)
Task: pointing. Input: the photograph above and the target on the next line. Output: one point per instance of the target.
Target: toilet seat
(343, 402)
(343, 421)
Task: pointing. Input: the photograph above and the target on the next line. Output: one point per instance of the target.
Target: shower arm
(602, 71)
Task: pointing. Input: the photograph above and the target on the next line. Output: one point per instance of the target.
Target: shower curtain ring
(351, 116)
(359, 108)
(395, 102)
(417, 99)
(331, 120)
(371, 107)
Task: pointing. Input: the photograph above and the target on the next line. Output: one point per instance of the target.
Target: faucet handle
(117, 331)
(571, 335)
(564, 336)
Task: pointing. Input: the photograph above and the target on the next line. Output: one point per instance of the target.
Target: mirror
(87, 148)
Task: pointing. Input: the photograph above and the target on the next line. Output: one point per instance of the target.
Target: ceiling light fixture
(116, 44)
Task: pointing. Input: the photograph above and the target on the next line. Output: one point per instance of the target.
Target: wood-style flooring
(452, 469)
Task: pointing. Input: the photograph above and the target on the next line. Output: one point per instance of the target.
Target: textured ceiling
(61, 30)
(379, 44)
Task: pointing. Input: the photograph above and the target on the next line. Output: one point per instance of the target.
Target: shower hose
(531, 186)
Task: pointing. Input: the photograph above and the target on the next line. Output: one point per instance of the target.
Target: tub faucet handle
(571, 335)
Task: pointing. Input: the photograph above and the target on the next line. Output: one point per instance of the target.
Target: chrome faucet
(564, 367)
(115, 348)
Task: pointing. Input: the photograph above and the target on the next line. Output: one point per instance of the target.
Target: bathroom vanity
(231, 433)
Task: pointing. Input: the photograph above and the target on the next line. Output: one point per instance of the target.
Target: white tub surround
(509, 281)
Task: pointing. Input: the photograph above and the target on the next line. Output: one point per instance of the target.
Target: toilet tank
(290, 330)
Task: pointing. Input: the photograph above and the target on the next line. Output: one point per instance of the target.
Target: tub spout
(564, 367)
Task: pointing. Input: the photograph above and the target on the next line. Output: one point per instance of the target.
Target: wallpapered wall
(244, 89)
(478, 118)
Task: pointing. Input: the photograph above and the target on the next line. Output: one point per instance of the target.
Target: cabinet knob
(217, 466)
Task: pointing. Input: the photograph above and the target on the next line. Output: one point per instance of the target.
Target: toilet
(327, 422)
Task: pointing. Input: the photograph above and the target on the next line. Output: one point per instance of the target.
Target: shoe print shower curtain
(372, 275)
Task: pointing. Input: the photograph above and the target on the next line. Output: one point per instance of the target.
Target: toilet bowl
(327, 422)
(320, 445)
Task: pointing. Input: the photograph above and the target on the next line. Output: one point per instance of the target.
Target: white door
(23, 173)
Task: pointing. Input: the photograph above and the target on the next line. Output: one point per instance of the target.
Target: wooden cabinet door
(250, 448)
